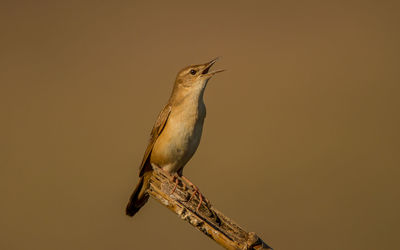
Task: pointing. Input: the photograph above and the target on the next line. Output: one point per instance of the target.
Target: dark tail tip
(131, 209)
(138, 198)
(135, 205)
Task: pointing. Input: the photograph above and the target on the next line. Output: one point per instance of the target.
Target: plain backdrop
(301, 140)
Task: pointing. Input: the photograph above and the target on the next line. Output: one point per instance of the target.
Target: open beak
(208, 66)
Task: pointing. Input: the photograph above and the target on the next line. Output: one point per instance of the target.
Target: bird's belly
(177, 143)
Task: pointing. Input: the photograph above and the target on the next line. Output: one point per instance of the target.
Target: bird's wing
(155, 132)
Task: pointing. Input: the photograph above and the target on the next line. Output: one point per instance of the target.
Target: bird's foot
(172, 177)
(196, 191)
(175, 178)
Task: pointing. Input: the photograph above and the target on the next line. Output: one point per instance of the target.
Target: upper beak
(208, 66)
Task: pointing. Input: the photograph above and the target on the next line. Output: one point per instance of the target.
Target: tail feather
(139, 196)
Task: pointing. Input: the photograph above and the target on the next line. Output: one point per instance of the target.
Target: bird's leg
(196, 190)
(172, 177)
(175, 179)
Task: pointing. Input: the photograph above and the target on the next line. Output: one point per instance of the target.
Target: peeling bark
(207, 219)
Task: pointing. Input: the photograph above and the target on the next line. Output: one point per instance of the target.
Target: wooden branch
(207, 219)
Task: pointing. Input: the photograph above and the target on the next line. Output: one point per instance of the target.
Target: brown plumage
(177, 131)
(139, 197)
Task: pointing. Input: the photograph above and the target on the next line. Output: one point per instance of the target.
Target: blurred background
(301, 140)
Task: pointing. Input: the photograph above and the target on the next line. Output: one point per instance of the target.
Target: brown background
(301, 141)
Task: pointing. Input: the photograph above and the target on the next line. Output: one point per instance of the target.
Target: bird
(176, 133)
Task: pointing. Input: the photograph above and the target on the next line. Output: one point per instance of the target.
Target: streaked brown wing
(155, 132)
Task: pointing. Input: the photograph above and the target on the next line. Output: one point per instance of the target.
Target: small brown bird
(176, 133)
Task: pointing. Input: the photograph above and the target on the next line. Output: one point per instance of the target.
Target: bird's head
(196, 76)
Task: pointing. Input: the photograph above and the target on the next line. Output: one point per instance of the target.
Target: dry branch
(207, 219)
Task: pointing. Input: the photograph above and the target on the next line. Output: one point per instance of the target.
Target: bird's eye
(193, 72)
